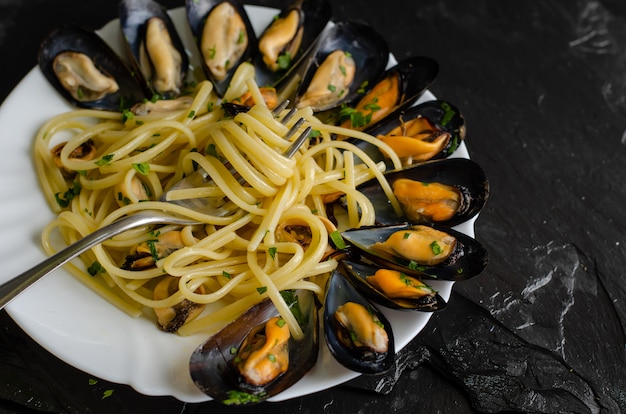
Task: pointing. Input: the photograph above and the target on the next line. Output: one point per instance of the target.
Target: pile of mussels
(342, 75)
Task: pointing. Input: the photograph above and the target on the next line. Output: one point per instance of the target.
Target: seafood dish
(312, 248)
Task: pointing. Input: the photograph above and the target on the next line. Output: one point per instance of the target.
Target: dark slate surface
(543, 87)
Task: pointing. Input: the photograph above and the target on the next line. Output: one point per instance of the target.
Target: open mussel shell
(134, 18)
(313, 16)
(212, 364)
(463, 174)
(399, 88)
(70, 38)
(468, 258)
(363, 45)
(357, 272)
(198, 16)
(443, 115)
(338, 292)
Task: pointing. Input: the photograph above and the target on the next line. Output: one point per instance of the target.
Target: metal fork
(12, 288)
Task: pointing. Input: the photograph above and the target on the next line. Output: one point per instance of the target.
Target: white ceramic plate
(78, 326)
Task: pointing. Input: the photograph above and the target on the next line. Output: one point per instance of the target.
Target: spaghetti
(227, 264)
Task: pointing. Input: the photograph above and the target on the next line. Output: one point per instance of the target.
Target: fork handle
(12, 288)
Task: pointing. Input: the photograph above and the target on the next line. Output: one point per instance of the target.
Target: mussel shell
(356, 272)
(468, 259)
(77, 39)
(464, 174)
(133, 17)
(442, 114)
(366, 46)
(211, 365)
(338, 292)
(197, 12)
(315, 15)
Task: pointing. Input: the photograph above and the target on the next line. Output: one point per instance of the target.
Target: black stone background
(542, 84)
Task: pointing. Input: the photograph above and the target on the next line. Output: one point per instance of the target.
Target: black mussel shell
(211, 364)
(134, 14)
(415, 75)
(197, 13)
(464, 174)
(356, 272)
(314, 15)
(442, 114)
(366, 361)
(76, 39)
(468, 259)
(366, 46)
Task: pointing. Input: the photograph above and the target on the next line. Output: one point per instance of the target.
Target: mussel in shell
(154, 46)
(224, 36)
(423, 250)
(399, 88)
(87, 72)
(428, 131)
(347, 56)
(392, 288)
(289, 37)
(250, 360)
(358, 335)
(448, 191)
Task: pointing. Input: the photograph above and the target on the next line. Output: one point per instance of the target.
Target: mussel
(87, 72)
(224, 36)
(170, 318)
(289, 37)
(428, 131)
(448, 191)
(358, 334)
(392, 288)
(399, 88)
(225, 368)
(347, 56)
(154, 46)
(84, 152)
(423, 250)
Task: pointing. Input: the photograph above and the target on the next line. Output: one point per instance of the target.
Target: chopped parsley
(236, 397)
(284, 60)
(105, 160)
(95, 268)
(436, 248)
(107, 393)
(448, 115)
(226, 274)
(153, 250)
(261, 290)
(363, 87)
(142, 168)
(67, 197)
(211, 150)
(272, 252)
(127, 115)
(337, 240)
(121, 197)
